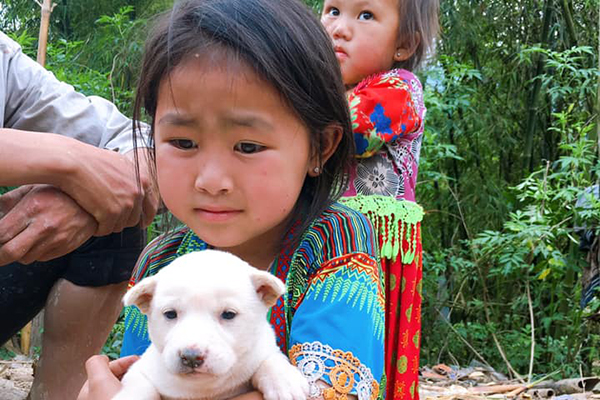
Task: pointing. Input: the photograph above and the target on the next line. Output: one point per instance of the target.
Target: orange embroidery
(345, 372)
(405, 339)
(415, 367)
(400, 389)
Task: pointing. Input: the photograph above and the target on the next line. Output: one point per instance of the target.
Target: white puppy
(210, 336)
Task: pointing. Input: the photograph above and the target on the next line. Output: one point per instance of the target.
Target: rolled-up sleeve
(34, 100)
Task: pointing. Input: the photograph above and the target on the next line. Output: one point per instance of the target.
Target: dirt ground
(16, 377)
(437, 383)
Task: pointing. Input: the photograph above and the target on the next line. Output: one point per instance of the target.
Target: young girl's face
(364, 34)
(231, 157)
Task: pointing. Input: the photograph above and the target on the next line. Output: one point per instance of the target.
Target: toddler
(377, 44)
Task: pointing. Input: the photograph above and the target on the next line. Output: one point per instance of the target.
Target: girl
(252, 142)
(377, 44)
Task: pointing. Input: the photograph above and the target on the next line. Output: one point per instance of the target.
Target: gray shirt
(32, 99)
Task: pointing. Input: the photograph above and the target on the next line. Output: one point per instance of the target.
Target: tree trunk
(534, 95)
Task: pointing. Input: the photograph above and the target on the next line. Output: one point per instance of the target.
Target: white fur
(237, 353)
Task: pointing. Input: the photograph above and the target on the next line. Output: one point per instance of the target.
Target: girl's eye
(183, 144)
(365, 15)
(170, 314)
(333, 12)
(228, 315)
(248, 147)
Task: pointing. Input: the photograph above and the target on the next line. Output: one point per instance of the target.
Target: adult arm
(34, 100)
(101, 181)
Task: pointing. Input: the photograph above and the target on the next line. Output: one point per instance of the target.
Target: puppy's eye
(228, 315)
(171, 314)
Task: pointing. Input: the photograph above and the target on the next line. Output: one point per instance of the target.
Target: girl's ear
(407, 48)
(330, 139)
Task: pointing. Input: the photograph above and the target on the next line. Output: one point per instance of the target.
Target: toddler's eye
(170, 314)
(228, 315)
(365, 15)
(333, 12)
(248, 147)
(183, 144)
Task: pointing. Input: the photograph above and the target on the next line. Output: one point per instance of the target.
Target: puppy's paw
(277, 379)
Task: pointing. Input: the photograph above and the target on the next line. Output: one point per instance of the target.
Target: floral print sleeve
(382, 111)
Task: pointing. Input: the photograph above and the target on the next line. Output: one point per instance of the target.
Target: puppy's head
(207, 312)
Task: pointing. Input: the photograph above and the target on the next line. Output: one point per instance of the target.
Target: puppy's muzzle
(191, 358)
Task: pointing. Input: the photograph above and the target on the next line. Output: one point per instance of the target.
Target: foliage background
(512, 140)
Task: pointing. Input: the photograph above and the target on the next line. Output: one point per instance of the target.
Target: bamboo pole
(47, 6)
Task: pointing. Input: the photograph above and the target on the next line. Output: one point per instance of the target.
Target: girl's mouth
(216, 214)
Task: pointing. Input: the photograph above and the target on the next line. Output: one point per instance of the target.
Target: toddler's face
(364, 35)
(231, 157)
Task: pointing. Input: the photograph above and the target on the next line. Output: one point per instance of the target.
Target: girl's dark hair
(419, 27)
(285, 44)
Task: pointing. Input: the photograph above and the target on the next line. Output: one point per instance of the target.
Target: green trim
(391, 219)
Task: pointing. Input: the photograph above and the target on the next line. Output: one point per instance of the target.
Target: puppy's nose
(191, 358)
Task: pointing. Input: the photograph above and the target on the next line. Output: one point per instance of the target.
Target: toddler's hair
(419, 27)
(284, 43)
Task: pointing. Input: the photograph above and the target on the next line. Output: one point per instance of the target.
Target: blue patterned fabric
(330, 321)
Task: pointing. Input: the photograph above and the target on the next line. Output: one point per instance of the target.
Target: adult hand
(104, 183)
(104, 378)
(39, 223)
(151, 200)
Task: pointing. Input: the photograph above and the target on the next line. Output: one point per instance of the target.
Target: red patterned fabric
(403, 323)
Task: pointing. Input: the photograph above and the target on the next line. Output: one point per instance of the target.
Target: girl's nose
(213, 178)
(341, 30)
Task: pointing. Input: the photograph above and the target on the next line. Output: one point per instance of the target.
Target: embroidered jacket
(387, 114)
(330, 321)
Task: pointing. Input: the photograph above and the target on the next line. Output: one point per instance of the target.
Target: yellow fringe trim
(393, 220)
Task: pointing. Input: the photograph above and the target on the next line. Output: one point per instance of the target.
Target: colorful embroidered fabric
(331, 318)
(387, 114)
(398, 228)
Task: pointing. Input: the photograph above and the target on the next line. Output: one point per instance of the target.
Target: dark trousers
(100, 261)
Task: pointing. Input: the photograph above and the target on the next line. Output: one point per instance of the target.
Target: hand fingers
(120, 366)
(45, 224)
(135, 215)
(9, 200)
(104, 377)
(97, 370)
(19, 248)
(85, 392)
(45, 255)
(150, 207)
(106, 226)
(65, 246)
(14, 242)
(13, 223)
(129, 216)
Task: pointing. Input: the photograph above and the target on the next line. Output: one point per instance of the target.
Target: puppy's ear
(141, 294)
(268, 287)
